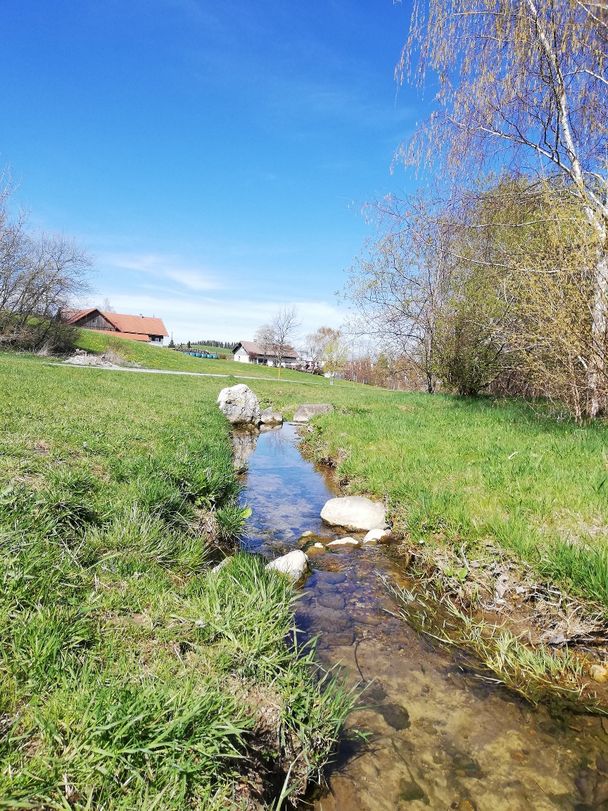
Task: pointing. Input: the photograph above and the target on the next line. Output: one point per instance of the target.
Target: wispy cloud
(163, 266)
(222, 319)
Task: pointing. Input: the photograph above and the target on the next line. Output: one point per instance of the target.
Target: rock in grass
(239, 405)
(270, 417)
(355, 513)
(221, 565)
(309, 410)
(599, 673)
(343, 542)
(377, 536)
(293, 565)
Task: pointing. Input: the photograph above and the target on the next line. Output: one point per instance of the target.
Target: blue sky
(213, 157)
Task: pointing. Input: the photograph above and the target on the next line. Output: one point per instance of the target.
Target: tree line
(500, 281)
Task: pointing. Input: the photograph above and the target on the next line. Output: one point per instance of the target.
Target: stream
(439, 735)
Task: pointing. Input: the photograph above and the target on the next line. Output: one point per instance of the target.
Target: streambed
(439, 735)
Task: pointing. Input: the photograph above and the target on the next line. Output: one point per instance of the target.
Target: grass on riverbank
(463, 472)
(131, 676)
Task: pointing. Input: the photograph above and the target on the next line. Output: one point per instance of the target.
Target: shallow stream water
(440, 735)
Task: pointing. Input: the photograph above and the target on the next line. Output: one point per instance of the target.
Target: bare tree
(40, 275)
(265, 339)
(327, 350)
(398, 287)
(516, 79)
(283, 327)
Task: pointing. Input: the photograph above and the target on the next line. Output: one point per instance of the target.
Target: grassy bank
(463, 471)
(131, 676)
(467, 472)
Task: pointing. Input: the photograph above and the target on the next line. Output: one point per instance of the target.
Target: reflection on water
(440, 736)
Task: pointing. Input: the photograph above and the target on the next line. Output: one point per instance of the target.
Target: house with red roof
(135, 327)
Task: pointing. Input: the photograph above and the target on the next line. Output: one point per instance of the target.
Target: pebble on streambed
(343, 542)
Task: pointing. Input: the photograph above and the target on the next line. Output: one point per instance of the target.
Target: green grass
(470, 471)
(171, 360)
(214, 350)
(116, 642)
(539, 673)
(131, 676)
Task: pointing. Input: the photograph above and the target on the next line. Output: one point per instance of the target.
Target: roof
(132, 324)
(255, 349)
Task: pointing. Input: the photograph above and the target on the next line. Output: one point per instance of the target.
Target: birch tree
(524, 82)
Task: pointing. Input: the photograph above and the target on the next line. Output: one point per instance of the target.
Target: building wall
(95, 321)
(241, 356)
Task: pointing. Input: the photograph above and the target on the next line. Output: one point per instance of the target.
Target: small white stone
(306, 412)
(344, 542)
(376, 535)
(293, 565)
(270, 417)
(355, 513)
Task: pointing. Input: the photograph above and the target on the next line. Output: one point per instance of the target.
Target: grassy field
(131, 676)
(214, 350)
(172, 360)
(467, 471)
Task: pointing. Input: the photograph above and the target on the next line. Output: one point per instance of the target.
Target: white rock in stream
(239, 405)
(343, 542)
(355, 513)
(377, 535)
(270, 417)
(309, 410)
(293, 565)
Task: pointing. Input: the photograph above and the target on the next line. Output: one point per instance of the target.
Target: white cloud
(163, 266)
(225, 319)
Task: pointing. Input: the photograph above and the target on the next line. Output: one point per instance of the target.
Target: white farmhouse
(250, 352)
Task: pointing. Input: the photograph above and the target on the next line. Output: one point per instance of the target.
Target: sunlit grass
(473, 470)
(127, 667)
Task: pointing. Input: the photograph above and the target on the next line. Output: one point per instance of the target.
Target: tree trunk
(596, 376)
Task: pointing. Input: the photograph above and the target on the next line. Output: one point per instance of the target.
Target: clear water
(440, 736)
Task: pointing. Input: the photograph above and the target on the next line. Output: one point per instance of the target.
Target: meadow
(131, 674)
(465, 471)
(173, 360)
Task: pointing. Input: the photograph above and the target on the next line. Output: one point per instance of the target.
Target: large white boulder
(293, 565)
(240, 405)
(309, 410)
(355, 513)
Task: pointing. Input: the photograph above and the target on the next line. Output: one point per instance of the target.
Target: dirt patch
(109, 360)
